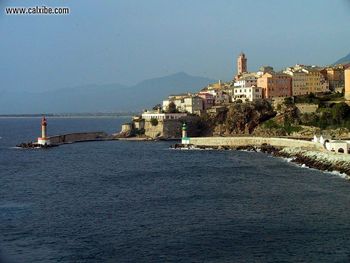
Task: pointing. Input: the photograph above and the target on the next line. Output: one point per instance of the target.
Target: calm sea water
(142, 202)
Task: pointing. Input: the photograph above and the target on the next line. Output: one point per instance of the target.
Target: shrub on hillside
(154, 122)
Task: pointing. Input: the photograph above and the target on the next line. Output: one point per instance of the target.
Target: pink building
(208, 99)
(275, 85)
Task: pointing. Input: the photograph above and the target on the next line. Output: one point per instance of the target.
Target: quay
(245, 142)
(237, 142)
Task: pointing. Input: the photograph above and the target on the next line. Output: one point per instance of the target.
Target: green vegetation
(335, 115)
(288, 101)
(320, 100)
(154, 122)
(287, 127)
(310, 98)
(139, 132)
(157, 107)
(332, 113)
(172, 108)
(271, 124)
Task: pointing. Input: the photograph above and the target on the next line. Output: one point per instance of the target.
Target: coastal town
(301, 113)
(301, 90)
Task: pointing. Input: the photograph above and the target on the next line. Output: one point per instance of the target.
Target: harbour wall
(163, 129)
(254, 141)
(171, 129)
(78, 137)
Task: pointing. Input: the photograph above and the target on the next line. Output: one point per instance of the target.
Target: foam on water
(337, 173)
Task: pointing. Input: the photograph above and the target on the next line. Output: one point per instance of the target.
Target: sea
(125, 201)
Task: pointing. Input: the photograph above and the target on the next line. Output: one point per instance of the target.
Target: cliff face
(237, 119)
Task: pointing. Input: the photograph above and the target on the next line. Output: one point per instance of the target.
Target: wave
(288, 159)
(337, 173)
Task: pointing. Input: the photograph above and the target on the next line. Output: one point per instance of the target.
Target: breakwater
(302, 152)
(234, 142)
(78, 137)
(68, 138)
(324, 161)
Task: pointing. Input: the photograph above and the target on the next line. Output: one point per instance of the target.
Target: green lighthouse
(185, 139)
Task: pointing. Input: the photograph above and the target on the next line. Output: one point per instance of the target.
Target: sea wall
(171, 129)
(254, 141)
(77, 137)
(163, 129)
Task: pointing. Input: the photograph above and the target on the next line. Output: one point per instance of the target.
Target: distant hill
(344, 60)
(101, 98)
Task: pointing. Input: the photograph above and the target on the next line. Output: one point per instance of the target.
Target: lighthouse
(43, 140)
(185, 139)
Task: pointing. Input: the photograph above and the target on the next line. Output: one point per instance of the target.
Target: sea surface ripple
(125, 201)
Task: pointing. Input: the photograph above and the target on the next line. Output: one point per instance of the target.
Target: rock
(239, 118)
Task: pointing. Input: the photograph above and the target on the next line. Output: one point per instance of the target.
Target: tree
(157, 107)
(340, 111)
(288, 101)
(154, 122)
(172, 108)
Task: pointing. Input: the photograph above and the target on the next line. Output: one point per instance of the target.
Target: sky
(127, 41)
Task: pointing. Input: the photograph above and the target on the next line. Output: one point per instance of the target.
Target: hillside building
(208, 99)
(316, 82)
(184, 103)
(246, 80)
(148, 115)
(275, 85)
(335, 77)
(347, 83)
(251, 93)
(264, 69)
(299, 81)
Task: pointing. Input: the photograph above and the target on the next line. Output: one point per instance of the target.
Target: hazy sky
(126, 41)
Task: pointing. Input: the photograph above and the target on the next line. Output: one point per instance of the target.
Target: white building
(184, 103)
(247, 80)
(148, 115)
(247, 93)
(337, 146)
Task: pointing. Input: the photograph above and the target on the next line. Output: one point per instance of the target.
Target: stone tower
(347, 84)
(241, 64)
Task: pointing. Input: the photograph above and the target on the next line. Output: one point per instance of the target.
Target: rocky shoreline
(324, 161)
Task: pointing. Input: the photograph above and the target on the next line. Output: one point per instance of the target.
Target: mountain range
(105, 98)
(100, 98)
(343, 60)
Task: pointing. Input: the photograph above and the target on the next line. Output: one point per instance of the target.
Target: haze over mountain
(100, 98)
(343, 60)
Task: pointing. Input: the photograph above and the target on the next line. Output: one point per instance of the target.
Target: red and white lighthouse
(43, 140)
